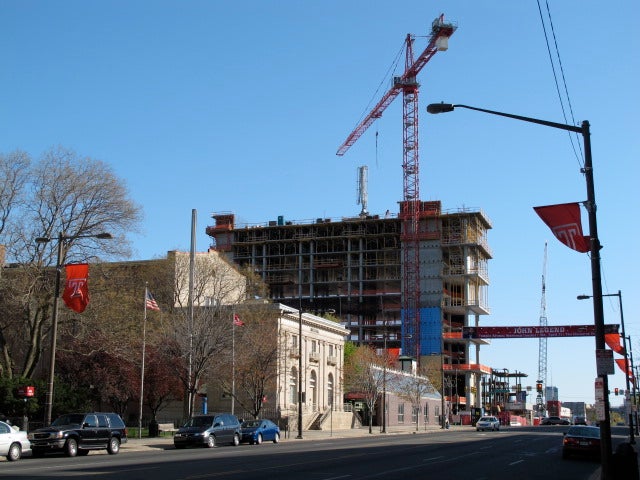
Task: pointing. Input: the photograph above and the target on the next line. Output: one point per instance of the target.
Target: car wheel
(15, 452)
(211, 441)
(114, 446)
(276, 438)
(259, 439)
(71, 448)
(236, 440)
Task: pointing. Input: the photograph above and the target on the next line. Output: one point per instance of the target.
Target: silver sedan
(13, 442)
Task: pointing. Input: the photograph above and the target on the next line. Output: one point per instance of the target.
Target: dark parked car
(554, 421)
(77, 433)
(257, 431)
(209, 431)
(581, 440)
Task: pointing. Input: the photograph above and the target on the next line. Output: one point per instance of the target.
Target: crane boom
(410, 208)
(440, 33)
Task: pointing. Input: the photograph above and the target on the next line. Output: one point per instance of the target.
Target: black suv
(77, 433)
(209, 430)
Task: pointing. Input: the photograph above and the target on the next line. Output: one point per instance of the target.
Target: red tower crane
(410, 206)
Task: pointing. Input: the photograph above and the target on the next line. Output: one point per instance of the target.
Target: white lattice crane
(541, 383)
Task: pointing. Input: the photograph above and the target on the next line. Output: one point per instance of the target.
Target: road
(519, 453)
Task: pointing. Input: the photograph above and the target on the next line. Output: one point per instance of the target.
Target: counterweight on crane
(410, 206)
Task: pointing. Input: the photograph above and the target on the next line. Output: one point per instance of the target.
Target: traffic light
(539, 387)
(615, 390)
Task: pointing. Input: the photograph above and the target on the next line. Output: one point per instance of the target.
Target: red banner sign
(76, 290)
(535, 331)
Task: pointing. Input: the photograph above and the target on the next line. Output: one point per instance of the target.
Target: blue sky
(241, 106)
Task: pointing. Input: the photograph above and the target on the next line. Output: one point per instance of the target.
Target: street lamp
(299, 437)
(626, 354)
(596, 280)
(385, 359)
(62, 238)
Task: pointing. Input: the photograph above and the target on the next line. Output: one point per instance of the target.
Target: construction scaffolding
(351, 268)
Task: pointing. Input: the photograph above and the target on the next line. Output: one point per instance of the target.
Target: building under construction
(352, 269)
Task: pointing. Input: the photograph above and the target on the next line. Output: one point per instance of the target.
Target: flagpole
(144, 338)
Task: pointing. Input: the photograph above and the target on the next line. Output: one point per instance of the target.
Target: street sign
(604, 362)
(600, 411)
(599, 387)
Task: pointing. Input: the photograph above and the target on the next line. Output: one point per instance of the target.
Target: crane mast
(410, 206)
(542, 342)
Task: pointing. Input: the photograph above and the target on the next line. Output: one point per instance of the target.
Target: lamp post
(626, 355)
(299, 437)
(596, 280)
(62, 238)
(635, 393)
(385, 359)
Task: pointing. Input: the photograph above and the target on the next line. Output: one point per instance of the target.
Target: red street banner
(76, 289)
(621, 364)
(564, 221)
(535, 331)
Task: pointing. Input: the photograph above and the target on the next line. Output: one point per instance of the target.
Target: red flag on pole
(621, 363)
(76, 289)
(613, 340)
(564, 221)
(236, 321)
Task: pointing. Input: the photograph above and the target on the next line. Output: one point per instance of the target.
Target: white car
(13, 442)
(487, 423)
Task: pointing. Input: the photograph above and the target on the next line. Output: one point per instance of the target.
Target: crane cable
(579, 157)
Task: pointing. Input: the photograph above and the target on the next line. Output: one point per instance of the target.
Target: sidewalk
(165, 441)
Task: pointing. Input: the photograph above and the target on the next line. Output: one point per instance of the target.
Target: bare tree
(14, 172)
(364, 375)
(62, 193)
(200, 334)
(252, 368)
(413, 388)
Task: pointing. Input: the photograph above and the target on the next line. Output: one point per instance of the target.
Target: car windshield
(199, 422)
(70, 419)
(251, 424)
(486, 419)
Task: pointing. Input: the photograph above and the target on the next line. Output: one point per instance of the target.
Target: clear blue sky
(241, 106)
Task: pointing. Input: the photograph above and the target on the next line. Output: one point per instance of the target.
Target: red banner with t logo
(564, 222)
(76, 288)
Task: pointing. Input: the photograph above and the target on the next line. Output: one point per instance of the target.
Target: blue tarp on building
(430, 331)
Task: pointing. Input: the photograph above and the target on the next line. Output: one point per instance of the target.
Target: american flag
(150, 302)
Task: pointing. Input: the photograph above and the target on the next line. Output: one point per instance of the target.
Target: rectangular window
(330, 350)
(294, 341)
(415, 411)
(426, 413)
(401, 413)
(314, 346)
